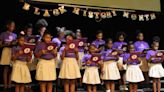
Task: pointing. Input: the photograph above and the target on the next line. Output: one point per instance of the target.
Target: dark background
(12, 9)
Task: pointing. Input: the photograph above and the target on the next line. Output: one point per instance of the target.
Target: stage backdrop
(146, 5)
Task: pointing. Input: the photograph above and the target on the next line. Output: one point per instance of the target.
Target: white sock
(108, 90)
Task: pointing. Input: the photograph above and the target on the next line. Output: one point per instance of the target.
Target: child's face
(121, 38)
(140, 36)
(42, 30)
(99, 36)
(155, 45)
(92, 49)
(21, 40)
(69, 38)
(47, 38)
(61, 34)
(109, 44)
(131, 48)
(29, 31)
(11, 27)
(78, 35)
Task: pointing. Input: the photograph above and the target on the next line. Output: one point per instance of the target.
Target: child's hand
(76, 50)
(43, 51)
(54, 51)
(66, 48)
(88, 62)
(20, 52)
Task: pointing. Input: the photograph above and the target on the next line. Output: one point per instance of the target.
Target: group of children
(131, 62)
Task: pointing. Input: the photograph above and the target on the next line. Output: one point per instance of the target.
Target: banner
(144, 5)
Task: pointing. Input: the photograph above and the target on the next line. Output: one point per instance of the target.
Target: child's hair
(98, 32)
(109, 39)
(70, 34)
(119, 34)
(20, 36)
(29, 25)
(138, 32)
(156, 39)
(9, 22)
(91, 46)
(129, 43)
(46, 33)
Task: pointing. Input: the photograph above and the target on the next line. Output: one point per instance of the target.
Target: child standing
(20, 71)
(99, 42)
(133, 73)
(91, 74)
(111, 72)
(140, 46)
(156, 70)
(46, 68)
(70, 70)
(6, 41)
(118, 46)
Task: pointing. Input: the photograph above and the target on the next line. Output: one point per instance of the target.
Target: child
(6, 41)
(111, 72)
(69, 71)
(31, 39)
(46, 68)
(91, 74)
(140, 46)
(118, 46)
(58, 40)
(133, 73)
(20, 71)
(41, 25)
(156, 70)
(78, 35)
(99, 42)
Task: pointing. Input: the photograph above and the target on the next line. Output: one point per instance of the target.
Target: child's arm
(64, 52)
(101, 66)
(55, 51)
(15, 54)
(29, 58)
(139, 60)
(76, 53)
(39, 51)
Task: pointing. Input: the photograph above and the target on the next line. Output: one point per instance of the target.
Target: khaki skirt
(134, 74)
(91, 76)
(6, 56)
(20, 72)
(156, 70)
(111, 71)
(69, 69)
(46, 70)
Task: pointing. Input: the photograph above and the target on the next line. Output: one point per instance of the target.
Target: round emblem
(134, 56)
(95, 58)
(50, 48)
(72, 45)
(159, 54)
(81, 43)
(26, 50)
